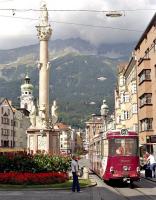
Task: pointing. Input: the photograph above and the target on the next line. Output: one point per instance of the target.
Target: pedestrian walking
(75, 168)
(152, 162)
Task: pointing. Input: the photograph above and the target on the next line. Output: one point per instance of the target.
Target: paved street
(143, 190)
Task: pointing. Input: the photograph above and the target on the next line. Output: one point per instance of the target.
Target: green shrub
(23, 162)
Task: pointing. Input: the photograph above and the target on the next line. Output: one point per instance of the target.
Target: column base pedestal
(43, 141)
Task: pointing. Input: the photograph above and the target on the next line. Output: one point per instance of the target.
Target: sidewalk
(142, 173)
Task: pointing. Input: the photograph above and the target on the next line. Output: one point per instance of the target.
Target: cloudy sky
(16, 31)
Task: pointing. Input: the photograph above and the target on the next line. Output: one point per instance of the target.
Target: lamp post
(104, 113)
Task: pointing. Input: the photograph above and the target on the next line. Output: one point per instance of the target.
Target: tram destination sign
(124, 132)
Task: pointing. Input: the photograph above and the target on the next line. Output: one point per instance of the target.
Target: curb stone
(93, 183)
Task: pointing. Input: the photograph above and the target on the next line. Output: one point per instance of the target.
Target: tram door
(104, 156)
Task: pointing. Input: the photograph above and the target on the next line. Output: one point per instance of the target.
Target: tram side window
(99, 148)
(105, 147)
(112, 147)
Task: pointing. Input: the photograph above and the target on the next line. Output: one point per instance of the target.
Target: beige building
(94, 127)
(78, 141)
(120, 100)
(7, 132)
(145, 52)
(13, 125)
(126, 96)
(65, 138)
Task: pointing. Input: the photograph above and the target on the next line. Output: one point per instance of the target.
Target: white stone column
(44, 77)
(44, 33)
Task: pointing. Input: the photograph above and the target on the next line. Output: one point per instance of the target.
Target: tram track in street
(142, 190)
(149, 180)
(135, 190)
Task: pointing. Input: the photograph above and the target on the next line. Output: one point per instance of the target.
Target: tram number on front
(124, 131)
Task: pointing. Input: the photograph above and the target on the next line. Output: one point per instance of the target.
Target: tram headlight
(138, 169)
(112, 169)
(125, 168)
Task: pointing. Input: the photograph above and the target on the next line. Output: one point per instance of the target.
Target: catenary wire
(77, 10)
(77, 24)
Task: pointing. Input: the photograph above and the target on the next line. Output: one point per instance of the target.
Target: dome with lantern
(27, 86)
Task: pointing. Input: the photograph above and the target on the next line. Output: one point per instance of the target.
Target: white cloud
(15, 32)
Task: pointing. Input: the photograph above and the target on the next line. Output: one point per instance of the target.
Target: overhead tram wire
(77, 10)
(77, 24)
(4, 1)
(98, 26)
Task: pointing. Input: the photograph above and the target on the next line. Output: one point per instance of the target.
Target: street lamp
(104, 113)
(114, 14)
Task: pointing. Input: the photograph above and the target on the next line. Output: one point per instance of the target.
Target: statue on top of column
(44, 14)
(44, 29)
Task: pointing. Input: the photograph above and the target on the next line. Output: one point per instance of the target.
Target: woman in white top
(151, 160)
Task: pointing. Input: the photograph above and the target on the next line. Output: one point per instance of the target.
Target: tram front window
(123, 146)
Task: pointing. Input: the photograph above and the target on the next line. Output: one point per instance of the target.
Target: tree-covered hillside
(79, 76)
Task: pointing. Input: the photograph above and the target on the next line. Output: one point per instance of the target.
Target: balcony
(143, 61)
(145, 111)
(145, 87)
(144, 64)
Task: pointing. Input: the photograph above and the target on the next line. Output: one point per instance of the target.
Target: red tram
(114, 155)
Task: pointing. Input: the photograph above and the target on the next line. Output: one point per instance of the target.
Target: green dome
(27, 87)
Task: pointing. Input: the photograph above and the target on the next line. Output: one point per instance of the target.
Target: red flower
(33, 178)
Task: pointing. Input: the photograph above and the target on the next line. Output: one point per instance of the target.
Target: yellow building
(94, 128)
(126, 96)
(78, 141)
(65, 138)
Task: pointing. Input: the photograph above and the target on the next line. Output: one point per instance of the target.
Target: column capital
(44, 29)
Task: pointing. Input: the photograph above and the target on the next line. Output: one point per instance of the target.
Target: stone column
(44, 33)
(44, 77)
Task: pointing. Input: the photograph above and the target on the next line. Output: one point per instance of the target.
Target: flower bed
(33, 178)
(23, 168)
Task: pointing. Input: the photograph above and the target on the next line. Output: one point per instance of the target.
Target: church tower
(26, 98)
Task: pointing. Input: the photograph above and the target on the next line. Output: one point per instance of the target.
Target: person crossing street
(75, 168)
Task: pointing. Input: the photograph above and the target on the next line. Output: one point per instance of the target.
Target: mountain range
(81, 75)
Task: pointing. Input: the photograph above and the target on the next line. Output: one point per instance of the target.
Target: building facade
(78, 141)
(131, 95)
(145, 52)
(86, 140)
(126, 112)
(13, 125)
(94, 127)
(65, 138)
(121, 98)
(7, 128)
